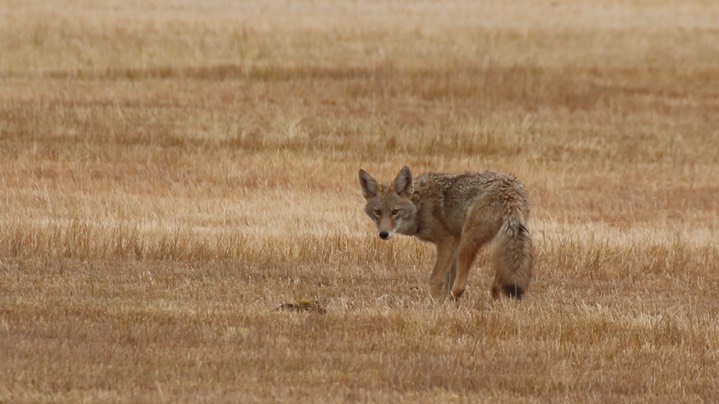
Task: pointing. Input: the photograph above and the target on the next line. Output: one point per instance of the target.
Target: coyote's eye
(378, 212)
(395, 212)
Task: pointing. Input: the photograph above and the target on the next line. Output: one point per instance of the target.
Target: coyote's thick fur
(459, 214)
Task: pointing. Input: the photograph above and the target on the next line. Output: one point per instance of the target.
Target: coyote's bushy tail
(512, 256)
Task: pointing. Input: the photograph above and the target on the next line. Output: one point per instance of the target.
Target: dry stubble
(173, 172)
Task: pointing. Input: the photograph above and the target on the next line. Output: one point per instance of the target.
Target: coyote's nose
(384, 235)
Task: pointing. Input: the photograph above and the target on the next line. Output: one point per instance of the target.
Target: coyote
(459, 214)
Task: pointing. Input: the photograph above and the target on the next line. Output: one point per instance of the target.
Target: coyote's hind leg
(481, 226)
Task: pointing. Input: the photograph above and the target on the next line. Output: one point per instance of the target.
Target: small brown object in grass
(303, 305)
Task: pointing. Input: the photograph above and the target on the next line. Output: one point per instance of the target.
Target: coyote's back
(459, 214)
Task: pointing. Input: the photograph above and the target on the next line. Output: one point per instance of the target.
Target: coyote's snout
(459, 214)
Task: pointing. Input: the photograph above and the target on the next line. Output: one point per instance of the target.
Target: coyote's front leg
(449, 277)
(445, 269)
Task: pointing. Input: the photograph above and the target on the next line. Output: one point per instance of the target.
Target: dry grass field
(173, 171)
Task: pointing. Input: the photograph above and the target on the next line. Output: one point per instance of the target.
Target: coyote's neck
(412, 229)
(416, 225)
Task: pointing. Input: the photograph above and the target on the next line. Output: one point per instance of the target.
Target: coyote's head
(390, 206)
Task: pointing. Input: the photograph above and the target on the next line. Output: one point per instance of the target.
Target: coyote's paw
(456, 293)
(437, 291)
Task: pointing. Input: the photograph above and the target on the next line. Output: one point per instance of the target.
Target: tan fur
(459, 214)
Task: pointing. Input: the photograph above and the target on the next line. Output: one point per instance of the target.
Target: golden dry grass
(174, 171)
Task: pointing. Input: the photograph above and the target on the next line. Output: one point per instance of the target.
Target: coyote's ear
(403, 182)
(368, 184)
